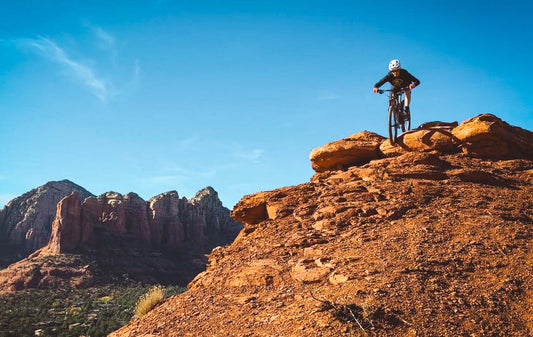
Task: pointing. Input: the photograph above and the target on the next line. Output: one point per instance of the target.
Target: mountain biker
(399, 78)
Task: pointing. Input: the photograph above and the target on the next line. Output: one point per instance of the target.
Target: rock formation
(487, 136)
(67, 230)
(356, 149)
(114, 229)
(26, 221)
(220, 228)
(422, 243)
(164, 221)
(484, 136)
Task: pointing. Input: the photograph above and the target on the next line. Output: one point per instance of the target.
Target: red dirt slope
(422, 244)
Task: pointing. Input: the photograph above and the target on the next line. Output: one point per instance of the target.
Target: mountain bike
(398, 118)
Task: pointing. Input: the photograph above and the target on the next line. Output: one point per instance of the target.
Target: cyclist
(399, 78)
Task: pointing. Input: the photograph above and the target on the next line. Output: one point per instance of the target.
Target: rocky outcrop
(484, 136)
(353, 150)
(435, 136)
(422, 243)
(67, 230)
(220, 227)
(487, 136)
(26, 221)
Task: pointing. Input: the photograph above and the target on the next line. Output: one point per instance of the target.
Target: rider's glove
(375, 89)
(412, 86)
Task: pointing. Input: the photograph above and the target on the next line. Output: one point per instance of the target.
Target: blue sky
(152, 96)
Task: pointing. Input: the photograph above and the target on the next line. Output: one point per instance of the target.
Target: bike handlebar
(380, 91)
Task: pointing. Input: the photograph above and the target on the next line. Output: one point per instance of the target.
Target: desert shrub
(149, 300)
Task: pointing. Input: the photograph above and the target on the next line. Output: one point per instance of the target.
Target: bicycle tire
(392, 125)
(406, 123)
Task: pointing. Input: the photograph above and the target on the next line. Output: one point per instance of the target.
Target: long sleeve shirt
(403, 80)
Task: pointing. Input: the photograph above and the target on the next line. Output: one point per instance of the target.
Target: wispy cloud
(105, 38)
(84, 74)
(178, 175)
(252, 155)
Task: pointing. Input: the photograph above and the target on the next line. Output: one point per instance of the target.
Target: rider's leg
(407, 99)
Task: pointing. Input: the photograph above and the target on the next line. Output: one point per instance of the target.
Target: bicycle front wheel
(393, 127)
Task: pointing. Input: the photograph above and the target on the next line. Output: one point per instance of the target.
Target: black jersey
(403, 80)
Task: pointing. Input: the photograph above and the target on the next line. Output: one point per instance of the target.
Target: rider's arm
(413, 79)
(382, 81)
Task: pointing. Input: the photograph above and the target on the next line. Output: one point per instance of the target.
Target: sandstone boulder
(357, 149)
(251, 209)
(487, 136)
(436, 136)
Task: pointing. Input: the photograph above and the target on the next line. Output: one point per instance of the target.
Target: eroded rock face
(165, 221)
(26, 221)
(67, 232)
(163, 216)
(105, 213)
(136, 212)
(220, 227)
(47, 271)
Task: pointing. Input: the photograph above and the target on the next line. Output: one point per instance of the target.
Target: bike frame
(396, 117)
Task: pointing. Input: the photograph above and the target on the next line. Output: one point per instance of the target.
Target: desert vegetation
(65, 312)
(149, 300)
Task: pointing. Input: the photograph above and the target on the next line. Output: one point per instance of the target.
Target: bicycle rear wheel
(405, 122)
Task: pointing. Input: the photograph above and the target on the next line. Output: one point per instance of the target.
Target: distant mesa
(61, 216)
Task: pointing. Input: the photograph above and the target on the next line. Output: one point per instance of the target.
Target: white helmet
(394, 65)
